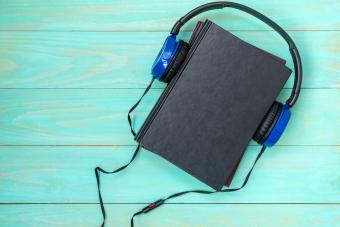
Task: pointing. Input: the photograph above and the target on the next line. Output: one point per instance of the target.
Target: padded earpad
(176, 62)
(268, 123)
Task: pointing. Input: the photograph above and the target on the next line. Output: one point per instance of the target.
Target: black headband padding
(176, 62)
(292, 47)
(268, 123)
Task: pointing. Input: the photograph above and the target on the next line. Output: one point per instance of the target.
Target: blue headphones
(165, 67)
(173, 53)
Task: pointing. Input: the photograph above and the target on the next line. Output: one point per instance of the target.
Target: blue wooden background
(70, 70)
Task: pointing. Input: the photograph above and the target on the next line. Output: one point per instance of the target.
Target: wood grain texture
(99, 117)
(297, 174)
(123, 60)
(234, 215)
(154, 15)
(70, 70)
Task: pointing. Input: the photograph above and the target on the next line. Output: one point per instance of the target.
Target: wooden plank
(240, 215)
(156, 15)
(302, 170)
(293, 174)
(99, 117)
(123, 60)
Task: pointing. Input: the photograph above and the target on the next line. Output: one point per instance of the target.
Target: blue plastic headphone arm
(279, 127)
(164, 57)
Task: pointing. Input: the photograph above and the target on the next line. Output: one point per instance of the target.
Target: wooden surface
(70, 70)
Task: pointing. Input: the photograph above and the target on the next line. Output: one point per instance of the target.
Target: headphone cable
(159, 202)
(99, 170)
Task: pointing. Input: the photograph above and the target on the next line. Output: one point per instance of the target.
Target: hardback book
(208, 113)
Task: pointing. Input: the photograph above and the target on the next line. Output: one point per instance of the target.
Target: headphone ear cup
(176, 62)
(268, 123)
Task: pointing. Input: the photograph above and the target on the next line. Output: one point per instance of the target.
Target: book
(208, 113)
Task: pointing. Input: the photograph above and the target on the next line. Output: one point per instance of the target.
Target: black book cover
(210, 110)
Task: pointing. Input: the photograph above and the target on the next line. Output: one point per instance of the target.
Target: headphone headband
(292, 47)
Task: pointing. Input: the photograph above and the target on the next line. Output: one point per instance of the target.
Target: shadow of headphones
(173, 53)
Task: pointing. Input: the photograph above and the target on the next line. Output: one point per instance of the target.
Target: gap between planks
(272, 203)
(184, 30)
(134, 145)
(131, 88)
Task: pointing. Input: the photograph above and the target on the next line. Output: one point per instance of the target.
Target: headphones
(167, 64)
(173, 53)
